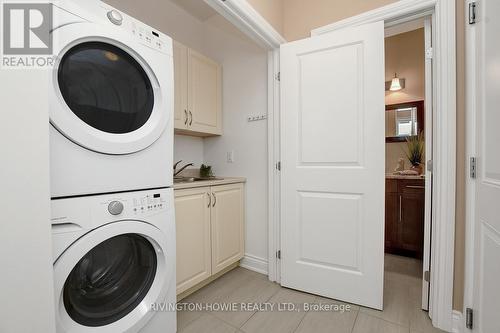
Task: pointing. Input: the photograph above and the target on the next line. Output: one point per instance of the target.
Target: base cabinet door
(412, 221)
(227, 225)
(192, 217)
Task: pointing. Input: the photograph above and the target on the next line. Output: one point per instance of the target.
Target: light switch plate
(230, 156)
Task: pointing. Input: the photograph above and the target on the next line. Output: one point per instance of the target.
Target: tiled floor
(402, 298)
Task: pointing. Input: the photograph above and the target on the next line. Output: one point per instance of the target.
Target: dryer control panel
(145, 34)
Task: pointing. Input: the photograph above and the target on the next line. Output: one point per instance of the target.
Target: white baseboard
(457, 322)
(255, 264)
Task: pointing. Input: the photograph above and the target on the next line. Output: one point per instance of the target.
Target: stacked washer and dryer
(111, 137)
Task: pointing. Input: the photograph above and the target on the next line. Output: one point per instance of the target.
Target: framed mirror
(403, 120)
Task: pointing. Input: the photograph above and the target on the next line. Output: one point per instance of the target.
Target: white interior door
(333, 157)
(487, 209)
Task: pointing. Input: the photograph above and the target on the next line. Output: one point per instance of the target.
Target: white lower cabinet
(210, 231)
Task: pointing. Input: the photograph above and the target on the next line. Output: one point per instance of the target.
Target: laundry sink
(178, 180)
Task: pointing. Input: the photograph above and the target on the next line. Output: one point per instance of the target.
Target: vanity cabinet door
(228, 216)
(391, 221)
(192, 218)
(411, 228)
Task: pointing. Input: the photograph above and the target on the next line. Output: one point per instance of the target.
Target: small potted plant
(206, 171)
(415, 151)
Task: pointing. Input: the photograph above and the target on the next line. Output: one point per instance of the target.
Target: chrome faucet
(176, 172)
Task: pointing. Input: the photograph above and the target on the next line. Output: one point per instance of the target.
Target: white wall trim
(249, 21)
(443, 229)
(458, 324)
(255, 264)
(273, 123)
(397, 11)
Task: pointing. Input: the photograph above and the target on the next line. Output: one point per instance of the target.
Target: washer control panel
(148, 203)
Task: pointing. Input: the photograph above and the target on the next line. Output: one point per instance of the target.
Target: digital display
(156, 195)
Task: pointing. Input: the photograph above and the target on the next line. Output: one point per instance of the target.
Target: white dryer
(111, 102)
(114, 262)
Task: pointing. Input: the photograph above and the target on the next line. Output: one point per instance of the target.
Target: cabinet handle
(415, 186)
(209, 200)
(215, 200)
(186, 121)
(400, 208)
(191, 118)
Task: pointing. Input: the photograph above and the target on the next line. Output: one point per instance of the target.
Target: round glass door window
(106, 87)
(110, 280)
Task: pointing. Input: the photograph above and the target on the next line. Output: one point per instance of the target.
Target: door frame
(249, 21)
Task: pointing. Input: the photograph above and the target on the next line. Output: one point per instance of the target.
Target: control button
(115, 17)
(115, 208)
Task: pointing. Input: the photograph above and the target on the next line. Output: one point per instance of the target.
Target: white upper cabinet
(198, 91)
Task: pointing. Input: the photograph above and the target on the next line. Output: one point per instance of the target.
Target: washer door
(111, 94)
(107, 280)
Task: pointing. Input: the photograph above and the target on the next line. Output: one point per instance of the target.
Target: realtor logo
(26, 28)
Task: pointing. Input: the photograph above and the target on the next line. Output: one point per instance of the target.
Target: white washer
(114, 257)
(111, 102)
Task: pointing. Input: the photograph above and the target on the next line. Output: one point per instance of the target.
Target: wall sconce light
(396, 84)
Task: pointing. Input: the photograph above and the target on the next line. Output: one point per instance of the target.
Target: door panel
(204, 94)
(333, 173)
(227, 226)
(180, 85)
(192, 218)
(487, 210)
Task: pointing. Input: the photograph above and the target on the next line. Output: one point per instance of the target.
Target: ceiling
(197, 8)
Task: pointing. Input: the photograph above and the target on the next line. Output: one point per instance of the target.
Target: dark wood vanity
(404, 216)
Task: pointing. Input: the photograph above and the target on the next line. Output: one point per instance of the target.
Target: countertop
(393, 176)
(214, 182)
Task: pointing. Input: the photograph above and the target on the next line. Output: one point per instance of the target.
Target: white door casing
(486, 294)
(333, 154)
(428, 119)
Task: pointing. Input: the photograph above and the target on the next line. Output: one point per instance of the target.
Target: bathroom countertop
(212, 182)
(393, 176)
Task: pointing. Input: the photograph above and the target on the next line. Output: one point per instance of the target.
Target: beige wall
(300, 17)
(404, 55)
(272, 11)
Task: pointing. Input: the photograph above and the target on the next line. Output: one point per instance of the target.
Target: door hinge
(472, 13)
(430, 165)
(429, 53)
(278, 254)
(278, 166)
(469, 318)
(427, 276)
(473, 167)
(278, 76)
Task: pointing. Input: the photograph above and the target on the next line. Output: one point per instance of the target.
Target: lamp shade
(395, 84)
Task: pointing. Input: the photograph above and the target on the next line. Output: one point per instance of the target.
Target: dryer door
(108, 279)
(109, 93)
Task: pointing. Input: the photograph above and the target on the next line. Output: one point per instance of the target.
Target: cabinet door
(228, 225)
(181, 116)
(391, 221)
(192, 218)
(204, 94)
(411, 229)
